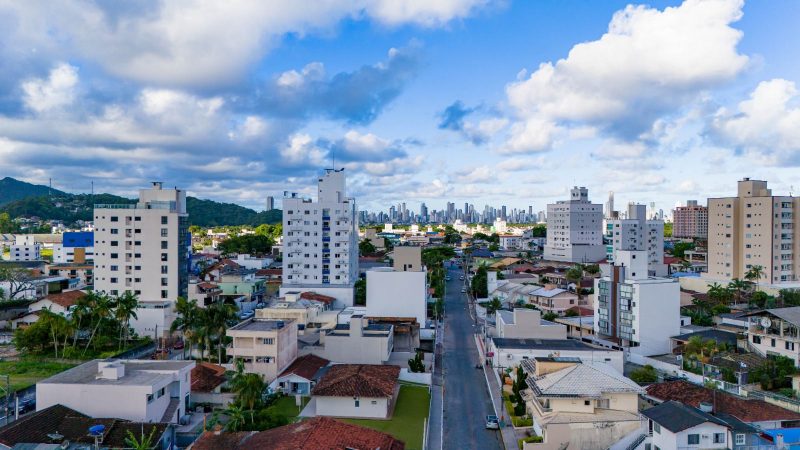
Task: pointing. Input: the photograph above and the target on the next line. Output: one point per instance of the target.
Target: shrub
(521, 421)
(646, 374)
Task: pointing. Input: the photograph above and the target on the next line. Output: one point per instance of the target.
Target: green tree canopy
(252, 244)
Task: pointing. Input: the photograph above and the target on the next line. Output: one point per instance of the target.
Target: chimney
(157, 185)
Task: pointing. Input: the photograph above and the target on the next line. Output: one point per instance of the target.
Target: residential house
(60, 427)
(305, 312)
(775, 332)
(674, 425)
(318, 433)
(579, 405)
(58, 303)
(357, 390)
(358, 341)
(253, 262)
(82, 274)
(207, 382)
(578, 326)
(205, 293)
(510, 352)
(749, 410)
(549, 298)
(266, 346)
(301, 376)
(140, 390)
(527, 323)
(25, 248)
(720, 337)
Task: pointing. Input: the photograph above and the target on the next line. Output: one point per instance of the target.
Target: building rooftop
(358, 380)
(306, 366)
(66, 299)
(261, 325)
(137, 372)
(719, 336)
(318, 433)
(790, 314)
(58, 420)
(676, 417)
(582, 380)
(746, 410)
(543, 344)
(207, 376)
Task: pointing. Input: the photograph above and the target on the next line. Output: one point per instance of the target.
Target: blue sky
(499, 102)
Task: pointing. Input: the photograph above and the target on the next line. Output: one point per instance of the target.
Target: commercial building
(143, 247)
(25, 248)
(575, 229)
(636, 232)
(755, 228)
(75, 247)
(579, 405)
(320, 241)
(690, 221)
(140, 390)
(266, 346)
(632, 309)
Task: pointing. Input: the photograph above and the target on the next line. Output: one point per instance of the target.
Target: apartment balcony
(326, 217)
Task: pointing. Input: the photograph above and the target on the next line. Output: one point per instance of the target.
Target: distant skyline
(480, 101)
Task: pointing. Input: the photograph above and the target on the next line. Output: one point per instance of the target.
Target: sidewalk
(435, 419)
(493, 384)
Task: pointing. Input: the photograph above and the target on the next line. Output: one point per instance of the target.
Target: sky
(495, 102)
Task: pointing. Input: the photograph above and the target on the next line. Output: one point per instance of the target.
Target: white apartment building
(636, 232)
(575, 229)
(754, 228)
(138, 390)
(320, 241)
(393, 293)
(634, 310)
(26, 248)
(75, 247)
(143, 247)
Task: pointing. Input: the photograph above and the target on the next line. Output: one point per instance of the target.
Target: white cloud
(480, 174)
(648, 63)
(195, 42)
(303, 150)
(357, 142)
(766, 126)
(55, 92)
(517, 164)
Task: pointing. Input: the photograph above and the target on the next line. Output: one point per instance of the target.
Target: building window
(115, 243)
(719, 438)
(790, 346)
(756, 339)
(165, 281)
(268, 341)
(164, 220)
(164, 232)
(357, 403)
(163, 257)
(114, 255)
(114, 268)
(693, 439)
(114, 219)
(114, 231)
(164, 294)
(164, 269)
(114, 280)
(164, 245)
(740, 439)
(656, 428)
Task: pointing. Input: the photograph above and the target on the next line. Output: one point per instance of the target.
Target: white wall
(345, 407)
(151, 321)
(667, 440)
(397, 294)
(613, 358)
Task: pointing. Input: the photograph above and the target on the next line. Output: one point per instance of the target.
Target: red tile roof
(206, 377)
(305, 366)
(318, 433)
(66, 299)
(264, 272)
(746, 410)
(318, 297)
(358, 380)
(582, 311)
(672, 260)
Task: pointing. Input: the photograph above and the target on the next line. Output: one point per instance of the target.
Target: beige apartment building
(266, 346)
(753, 228)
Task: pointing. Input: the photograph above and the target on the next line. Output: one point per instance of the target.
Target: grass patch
(285, 406)
(27, 372)
(407, 423)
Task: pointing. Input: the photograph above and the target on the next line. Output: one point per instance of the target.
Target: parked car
(178, 345)
(463, 290)
(492, 423)
(461, 277)
(447, 278)
(246, 315)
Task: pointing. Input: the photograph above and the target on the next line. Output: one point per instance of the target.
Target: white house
(139, 390)
(301, 376)
(393, 293)
(252, 262)
(510, 352)
(677, 426)
(357, 390)
(527, 323)
(358, 341)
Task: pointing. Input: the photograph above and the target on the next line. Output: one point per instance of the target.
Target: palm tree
(575, 275)
(186, 321)
(249, 387)
(236, 417)
(80, 311)
(738, 287)
(719, 294)
(57, 324)
(754, 274)
(100, 305)
(217, 317)
(143, 442)
(124, 309)
(493, 305)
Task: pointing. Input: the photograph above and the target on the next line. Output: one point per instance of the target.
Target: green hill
(30, 200)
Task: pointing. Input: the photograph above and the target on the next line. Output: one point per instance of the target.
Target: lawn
(27, 372)
(285, 406)
(407, 422)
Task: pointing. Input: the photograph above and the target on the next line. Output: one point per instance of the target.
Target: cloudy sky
(500, 102)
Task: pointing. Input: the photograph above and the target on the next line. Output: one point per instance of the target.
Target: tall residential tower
(575, 229)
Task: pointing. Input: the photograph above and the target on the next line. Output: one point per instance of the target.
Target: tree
(550, 316)
(760, 299)
(592, 269)
(236, 417)
(18, 279)
(57, 325)
(571, 313)
(143, 442)
(249, 388)
(365, 247)
(187, 315)
(494, 305)
(789, 297)
(272, 231)
(719, 294)
(539, 230)
(680, 248)
(754, 274)
(738, 287)
(216, 318)
(101, 307)
(361, 292)
(252, 244)
(575, 275)
(646, 374)
(480, 288)
(7, 225)
(125, 307)
(416, 364)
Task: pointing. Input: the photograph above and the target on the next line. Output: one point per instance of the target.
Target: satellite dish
(765, 322)
(97, 430)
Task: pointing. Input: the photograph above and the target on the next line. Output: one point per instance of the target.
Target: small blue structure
(78, 239)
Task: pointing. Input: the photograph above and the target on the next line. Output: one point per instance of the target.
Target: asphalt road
(466, 399)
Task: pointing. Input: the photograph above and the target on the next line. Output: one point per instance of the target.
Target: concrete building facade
(266, 346)
(574, 229)
(320, 241)
(25, 248)
(690, 221)
(636, 232)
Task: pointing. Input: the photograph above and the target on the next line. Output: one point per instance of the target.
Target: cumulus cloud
(454, 118)
(480, 174)
(54, 92)
(649, 63)
(766, 126)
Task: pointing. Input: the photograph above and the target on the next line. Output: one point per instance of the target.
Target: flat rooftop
(262, 325)
(137, 373)
(545, 344)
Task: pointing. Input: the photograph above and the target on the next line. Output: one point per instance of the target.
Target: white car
(463, 290)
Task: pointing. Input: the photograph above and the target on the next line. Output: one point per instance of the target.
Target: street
(466, 400)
